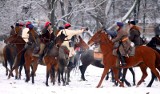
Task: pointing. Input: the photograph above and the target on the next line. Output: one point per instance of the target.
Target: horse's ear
(12, 26)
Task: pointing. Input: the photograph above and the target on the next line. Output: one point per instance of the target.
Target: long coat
(123, 42)
(69, 34)
(135, 36)
(155, 43)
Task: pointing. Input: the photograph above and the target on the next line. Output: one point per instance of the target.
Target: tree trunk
(127, 14)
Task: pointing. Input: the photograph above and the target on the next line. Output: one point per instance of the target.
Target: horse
(88, 57)
(51, 58)
(19, 59)
(153, 43)
(140, 58)
(9, 54)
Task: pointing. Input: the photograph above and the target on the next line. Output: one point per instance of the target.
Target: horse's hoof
(47, 84)
(149, 86)
(97, 86)
(67, 83)
(121, 85)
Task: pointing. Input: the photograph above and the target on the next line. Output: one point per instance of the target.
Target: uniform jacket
(25, 34)
(123, 41)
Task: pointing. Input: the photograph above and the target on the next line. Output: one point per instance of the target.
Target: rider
(17, 29)
(25, 35)
(33, 40)
(46, 37)
(69, 33)
(123, 43)
(135, 33)
(155, 41)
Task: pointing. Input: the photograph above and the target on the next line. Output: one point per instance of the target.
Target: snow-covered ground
(93, 74)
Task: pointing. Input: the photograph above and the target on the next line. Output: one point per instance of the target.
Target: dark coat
(155, 43)
(135, 36)
(123, 41)
(46, 36)
(33, 36)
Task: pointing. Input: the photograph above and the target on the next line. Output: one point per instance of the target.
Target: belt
(125, 39)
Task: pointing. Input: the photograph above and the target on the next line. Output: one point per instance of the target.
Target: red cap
(67, 25)
(47, 24)
(21, 24)
(27, 23)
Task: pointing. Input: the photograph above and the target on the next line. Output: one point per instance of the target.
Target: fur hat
(61, 27)
(132, 22)
(28, 23)
(120, 24)
(30, 26)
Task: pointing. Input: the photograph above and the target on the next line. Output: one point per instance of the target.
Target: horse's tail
(98, 63)
(157, 63)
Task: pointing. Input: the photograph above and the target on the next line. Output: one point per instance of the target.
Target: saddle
(131, 51)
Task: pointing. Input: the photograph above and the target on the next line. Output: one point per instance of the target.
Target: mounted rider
(33, 40)
(47, 37)
(135, 34)
(17, 29)
(25, 34)
(121, 43)
(155, 41)
(69, 48)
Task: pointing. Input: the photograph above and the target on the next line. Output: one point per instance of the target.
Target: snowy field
(93, 74)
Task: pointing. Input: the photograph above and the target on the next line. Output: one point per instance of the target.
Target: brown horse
(19, 43)
(95, 60)
(140, 58)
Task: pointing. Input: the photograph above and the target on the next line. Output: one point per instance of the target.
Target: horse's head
(59, 39)
(99, 37)
(81, 44)
(15, 39)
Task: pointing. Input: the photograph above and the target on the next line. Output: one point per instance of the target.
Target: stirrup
(36, 55)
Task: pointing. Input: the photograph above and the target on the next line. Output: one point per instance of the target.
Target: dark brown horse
(9, 54)
(51, 58)
(19, 43)
(140, 58)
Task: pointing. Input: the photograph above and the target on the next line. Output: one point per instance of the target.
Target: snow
(93, 74)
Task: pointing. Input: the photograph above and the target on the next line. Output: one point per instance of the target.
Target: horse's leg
(59, 77)
(47, 73)
(134, 80)
(5, 60)
(82, 70)
(68, 75)
(105, 71)
(35, 65)
(53, 74)
(116, 76)
(152, 79)
(107, 76)
(124, 76)
(17, 64)
(144, 73)
(62, 72)
(5, 65)
(16, 71)
(20, 70)
(27, 69)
